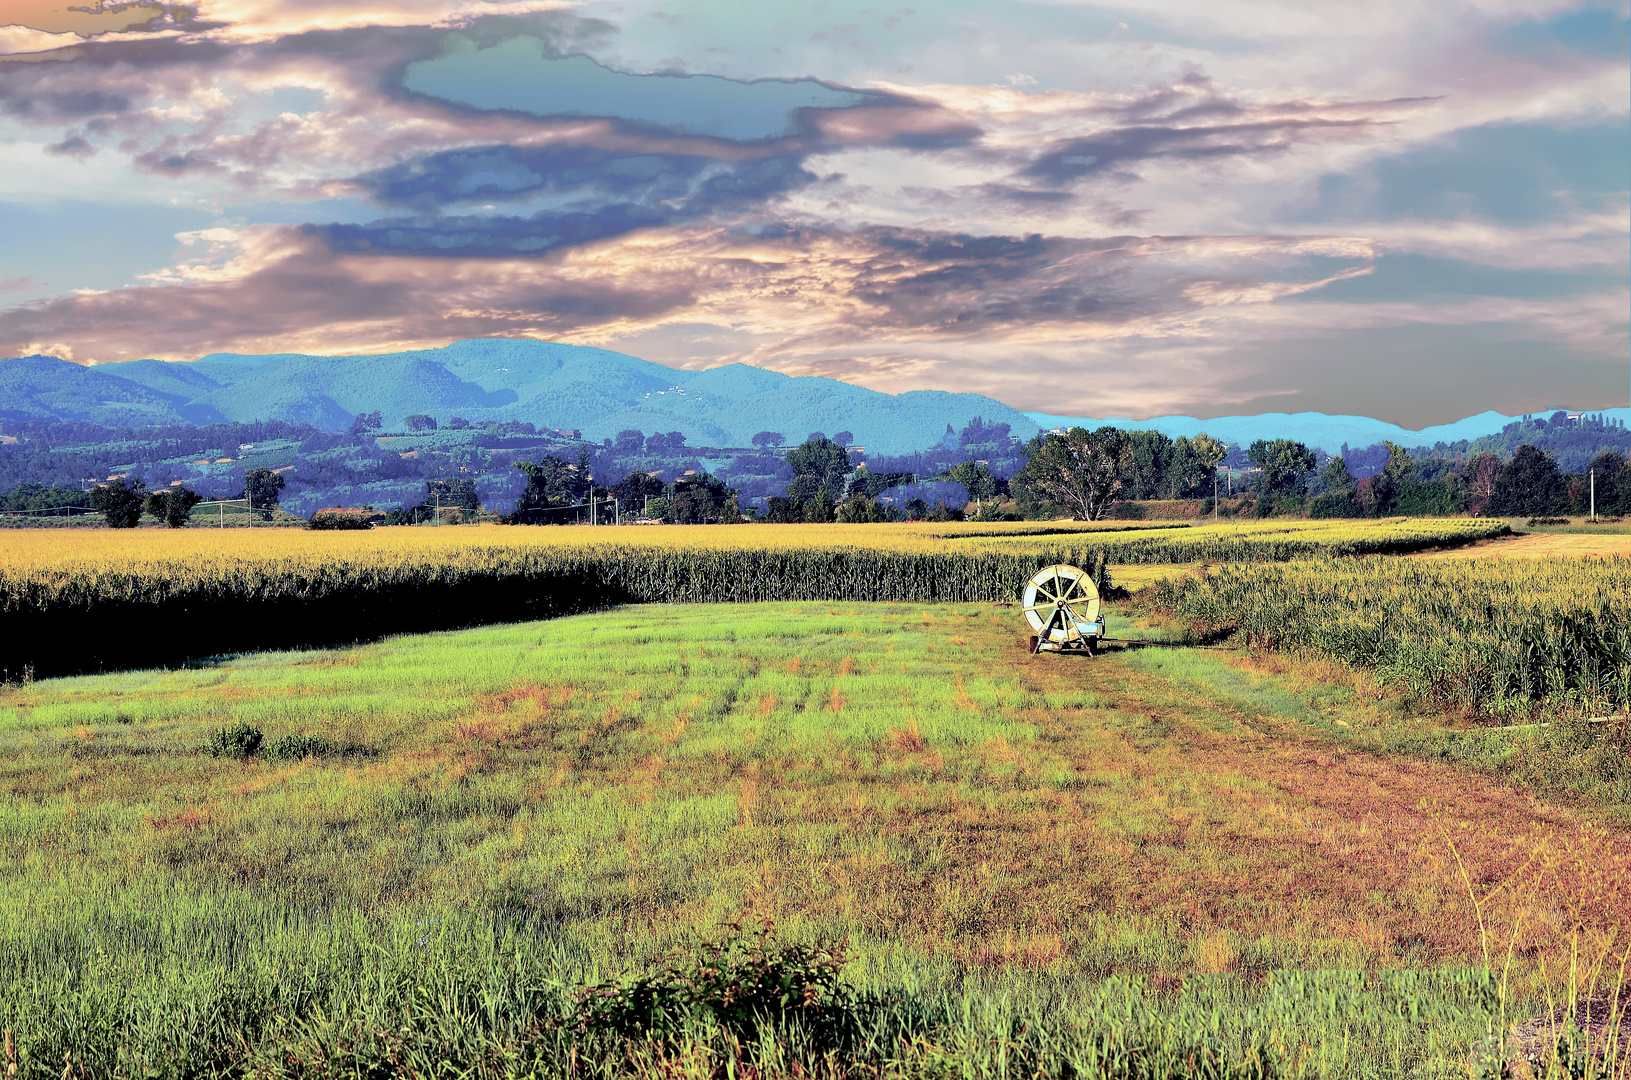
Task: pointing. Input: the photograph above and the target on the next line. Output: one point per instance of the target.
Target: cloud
(811, 289)
(1159, 202)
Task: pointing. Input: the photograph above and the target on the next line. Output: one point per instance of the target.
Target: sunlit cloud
(1071, 208)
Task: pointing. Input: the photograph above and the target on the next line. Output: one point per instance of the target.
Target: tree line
(1074, 473)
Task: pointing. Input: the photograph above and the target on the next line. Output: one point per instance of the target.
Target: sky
(1413, 211)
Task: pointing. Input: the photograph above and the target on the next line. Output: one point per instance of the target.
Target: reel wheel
(1062, 606)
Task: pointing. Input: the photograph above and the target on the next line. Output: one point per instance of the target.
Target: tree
(1191, 466)
(783, 510)
(702, 499)
(980, 433)
(860, 509)
(1335, 477)
(1481, 474)
(1613, 473)
(261, 487)
(420, 422)
(366, 422)
(873, 484)
(974, 477)
(1149, 457)
(766, 439)
(664, 443)
(120, 502)
(844, 438)
(173, 506)
(457, 423)
(459, 491)
(628, 441)
(1336, 492)
(550, 483)
(820, 509)
(633, 490)
(1529, 484)
(1285, 464)
(820, 467)
(1080, 471)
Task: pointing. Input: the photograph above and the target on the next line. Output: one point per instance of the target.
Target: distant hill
(1313, 429)
(598, 392)
(543, 383)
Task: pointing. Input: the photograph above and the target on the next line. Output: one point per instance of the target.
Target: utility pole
(438, 508)
(1214, 496)
(1594, 495)
(593, 520)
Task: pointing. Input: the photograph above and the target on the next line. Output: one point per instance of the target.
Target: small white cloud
(22, 39)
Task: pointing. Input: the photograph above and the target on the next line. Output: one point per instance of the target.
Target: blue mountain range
(543, 383)
(597, 392)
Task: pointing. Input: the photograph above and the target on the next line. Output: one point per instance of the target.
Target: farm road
(1260, 812)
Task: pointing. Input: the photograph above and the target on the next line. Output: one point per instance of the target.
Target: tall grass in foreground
(184, 986)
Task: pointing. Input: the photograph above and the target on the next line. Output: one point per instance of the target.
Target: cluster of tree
(40, 497)
(1528, 484)
(1083, 473)
(441, 496)
(122, 501)
(828, 485)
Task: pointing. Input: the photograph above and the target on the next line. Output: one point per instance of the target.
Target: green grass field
(1152, 863)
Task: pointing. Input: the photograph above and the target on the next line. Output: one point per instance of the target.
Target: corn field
(97, 600)
(1485, 635)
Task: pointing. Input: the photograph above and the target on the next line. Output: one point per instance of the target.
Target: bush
(294, 747)
(739, 981)
(1333, 504)
(239, 741)
(339, 521)
(1548, 521)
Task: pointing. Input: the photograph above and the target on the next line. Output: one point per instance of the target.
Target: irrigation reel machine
(1062, 607)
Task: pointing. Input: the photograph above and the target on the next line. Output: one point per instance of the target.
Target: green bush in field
(738, 982)
(238, 740)
(294, 747)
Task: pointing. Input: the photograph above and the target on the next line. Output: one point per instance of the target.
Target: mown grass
(1130, 866)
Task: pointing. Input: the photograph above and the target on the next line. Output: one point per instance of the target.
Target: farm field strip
(626, 777)
(1572, 545)
(106, 600)
(1490, 635)
(31, 555)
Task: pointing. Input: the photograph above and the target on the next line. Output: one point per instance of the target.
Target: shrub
(339, 521)
(241, 740)
(1333, 504)
(293, 747)
(739, 981)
